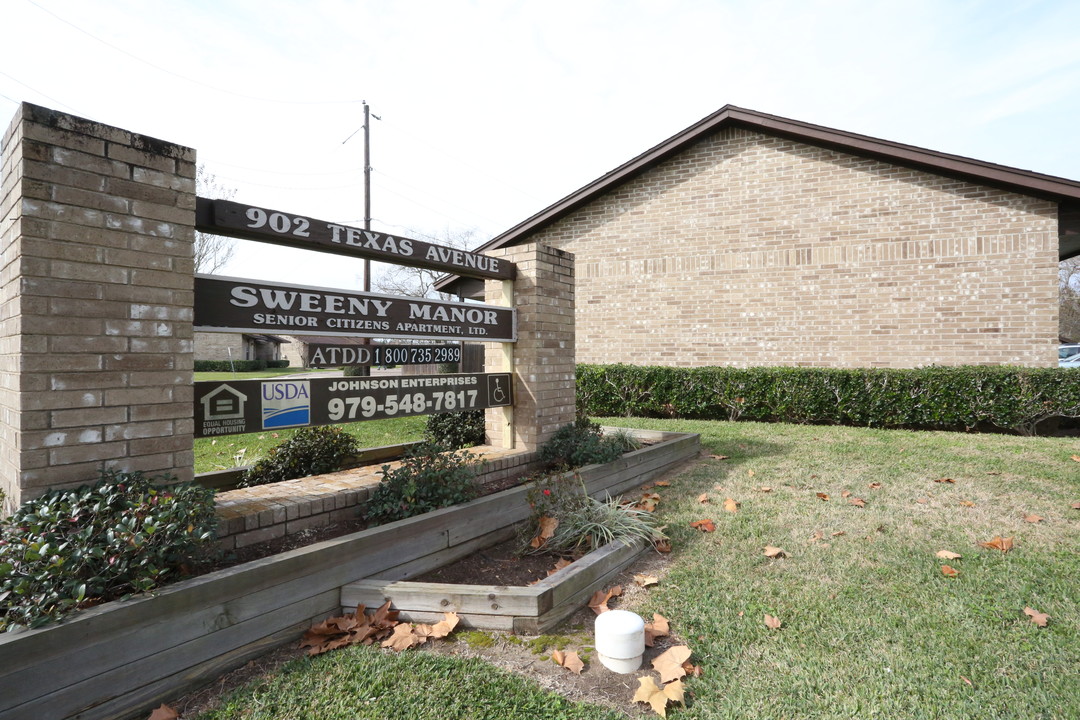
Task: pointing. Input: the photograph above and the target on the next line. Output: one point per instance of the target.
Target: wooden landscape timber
(122, 658)
(530, 610)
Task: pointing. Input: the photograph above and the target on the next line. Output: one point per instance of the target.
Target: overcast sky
(490, 111)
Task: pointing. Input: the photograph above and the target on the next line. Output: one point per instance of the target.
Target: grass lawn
(872, 628)
(229, 451)
(252, 375)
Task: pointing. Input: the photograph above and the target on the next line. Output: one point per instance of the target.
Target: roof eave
(1024, 182)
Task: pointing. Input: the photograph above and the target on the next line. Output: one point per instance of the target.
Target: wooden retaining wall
(120, 659)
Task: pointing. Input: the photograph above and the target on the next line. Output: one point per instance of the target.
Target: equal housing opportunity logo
(285, 403)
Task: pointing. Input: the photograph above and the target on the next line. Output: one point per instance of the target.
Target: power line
(213, 163)
(184, 77)
(35, 90)
(411, 187)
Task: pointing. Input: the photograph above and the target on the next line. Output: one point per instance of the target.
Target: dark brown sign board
(224, 217)
(244, 406)
(237, 305)
(327, 355)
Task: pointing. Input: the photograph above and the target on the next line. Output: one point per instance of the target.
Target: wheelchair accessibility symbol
(498, 387)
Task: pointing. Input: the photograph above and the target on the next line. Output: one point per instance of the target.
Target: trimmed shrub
(456, 430)
(356, 370)
(947, 398)
(72, 548)
(581, 443)
(238, 365)
(311, 451)
(428, 478)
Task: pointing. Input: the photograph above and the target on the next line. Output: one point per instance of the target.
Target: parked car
(1073, 361)
(1067, 353)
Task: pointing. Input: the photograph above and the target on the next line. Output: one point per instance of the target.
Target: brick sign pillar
(96, 349)
(543, 357)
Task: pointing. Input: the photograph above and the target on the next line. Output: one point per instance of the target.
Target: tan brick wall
(96, 293)
(216, 346)
(544, 352)
(748, 249)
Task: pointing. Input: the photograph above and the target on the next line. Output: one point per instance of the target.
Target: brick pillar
(96, 295)
(543, 356)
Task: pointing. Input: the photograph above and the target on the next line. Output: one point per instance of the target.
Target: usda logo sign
(285, 403)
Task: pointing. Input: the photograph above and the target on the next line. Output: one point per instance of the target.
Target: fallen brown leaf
(1036, 617)
(948, 571)
(692, 669)
(646, 580)
(1075, 506)
(662, 546)
(948, 555)
(857, 502)
(1004, 544)
(719, 457)
(1075, 458)
(950, 481)
(568, 660)
(661, 483)
(922, 500)
(657, 697)
(703, 498)
(764, 489)
(750, 473)
(772, 622)
(967, 503)
(598, 602)
(163, 712)
(774, 552)
(967, 681)
(730, 505)
(838, 533)
(874, 486)
(403, 638)
(823, 496)
(669, 663)
(559, 565)
(659, 627)
(440, 629)
(815, 537)
(546, 531)
(845, 493)
(703, 525)
(1033, 518)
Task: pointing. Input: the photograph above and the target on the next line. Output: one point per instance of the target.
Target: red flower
(546, 491)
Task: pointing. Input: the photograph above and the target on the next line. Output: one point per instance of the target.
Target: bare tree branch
(212, 252)
(418, 282)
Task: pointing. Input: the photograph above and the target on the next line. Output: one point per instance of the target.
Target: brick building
(749, 239)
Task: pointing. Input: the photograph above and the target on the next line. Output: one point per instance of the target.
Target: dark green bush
(357, 371)
(952, 398)
(578, 444)
(238, 365)
(428, 478)
(311, 451)
(456, 430)
(124, 534)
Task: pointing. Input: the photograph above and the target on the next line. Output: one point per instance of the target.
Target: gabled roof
(1065, 192)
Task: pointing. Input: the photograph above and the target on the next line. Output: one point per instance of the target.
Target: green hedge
(238, 365)
(948, 398)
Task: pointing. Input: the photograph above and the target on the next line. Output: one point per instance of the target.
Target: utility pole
(367, 189)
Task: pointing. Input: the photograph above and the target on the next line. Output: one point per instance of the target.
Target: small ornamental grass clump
(311, 451)
(72, 548)
(428, 478)
(583, 443)
(566, 521)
